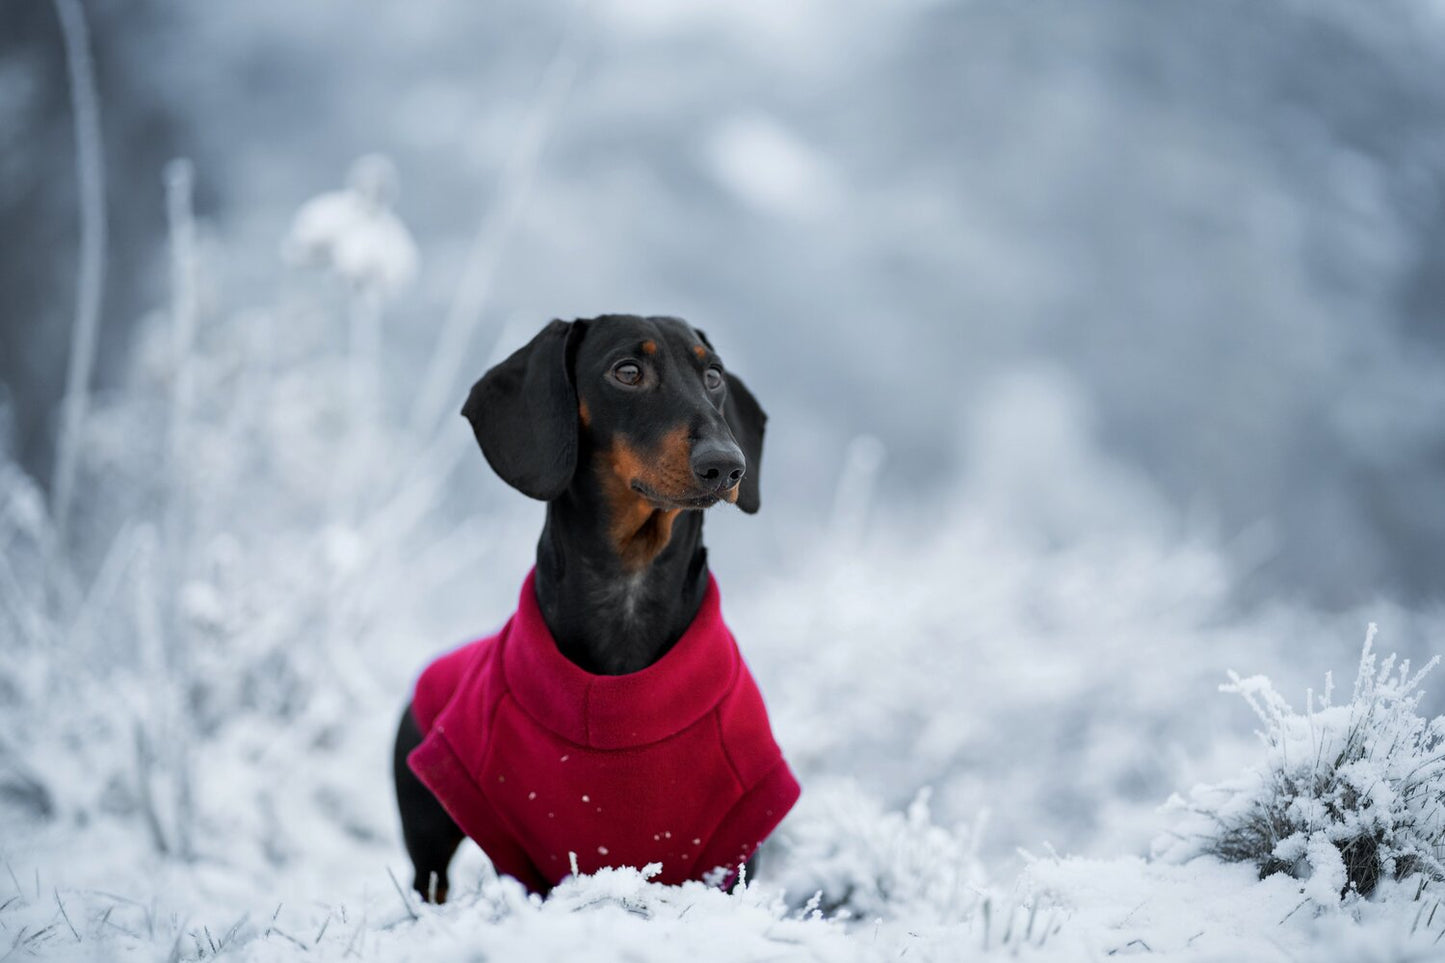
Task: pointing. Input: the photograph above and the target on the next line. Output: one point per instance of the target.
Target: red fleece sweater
(534, 758)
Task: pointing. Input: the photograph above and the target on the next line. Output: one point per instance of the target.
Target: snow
(354, 233)
(1058, 909)
(770, 168)
(1347, 795)
(1045, 692)
(987, 696)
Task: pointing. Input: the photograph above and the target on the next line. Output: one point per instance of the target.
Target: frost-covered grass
(1347, 795)
(201, 678)
(861, 862)
(945, 695)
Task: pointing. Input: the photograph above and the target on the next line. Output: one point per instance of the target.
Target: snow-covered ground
(1008, 680)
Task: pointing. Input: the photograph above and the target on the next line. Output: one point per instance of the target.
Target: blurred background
(1102, 343)
(1212, 232)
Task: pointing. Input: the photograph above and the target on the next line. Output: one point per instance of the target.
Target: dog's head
(642, 404)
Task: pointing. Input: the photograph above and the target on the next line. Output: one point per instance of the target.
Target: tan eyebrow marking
(700, 351)
(649, 347)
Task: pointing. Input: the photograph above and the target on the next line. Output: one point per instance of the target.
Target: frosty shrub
(1347, 795)
(866, 863)
(189, 652)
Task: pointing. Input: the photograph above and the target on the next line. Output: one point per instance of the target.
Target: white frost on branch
(353, 232)
(1348, 795)
(90, 171)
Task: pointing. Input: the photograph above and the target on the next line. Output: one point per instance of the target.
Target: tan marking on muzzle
(639, 529)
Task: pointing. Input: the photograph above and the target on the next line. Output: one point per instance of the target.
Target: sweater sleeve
(751, 820)
(451, 694)
(437, 764)
(769, 787)
(438, 681)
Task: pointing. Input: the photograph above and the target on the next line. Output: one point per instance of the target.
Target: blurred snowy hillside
(1223, 221)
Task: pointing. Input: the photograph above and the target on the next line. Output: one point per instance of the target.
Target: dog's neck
(617, 592)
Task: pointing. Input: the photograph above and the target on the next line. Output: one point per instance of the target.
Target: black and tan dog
(626, 427)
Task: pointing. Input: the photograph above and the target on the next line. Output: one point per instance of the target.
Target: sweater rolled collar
(618, 711)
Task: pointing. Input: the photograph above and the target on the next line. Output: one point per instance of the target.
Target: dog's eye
(628, 372)
(713, 378)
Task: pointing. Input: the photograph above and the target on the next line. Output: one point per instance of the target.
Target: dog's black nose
(718, 465)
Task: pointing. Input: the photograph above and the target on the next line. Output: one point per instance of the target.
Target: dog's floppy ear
(524, 413)
(746, 420)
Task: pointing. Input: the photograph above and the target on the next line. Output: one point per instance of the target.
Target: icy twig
(400, 894)
(145, 763)
(90, 171)
(19, 890)
(180, 218)
(179, 181)
(513, 189)
(66, 916)
(97, 601)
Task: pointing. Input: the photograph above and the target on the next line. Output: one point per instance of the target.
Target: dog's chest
(624, 627)
(623, 598)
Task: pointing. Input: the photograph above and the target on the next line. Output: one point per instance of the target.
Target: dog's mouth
(672, 502)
